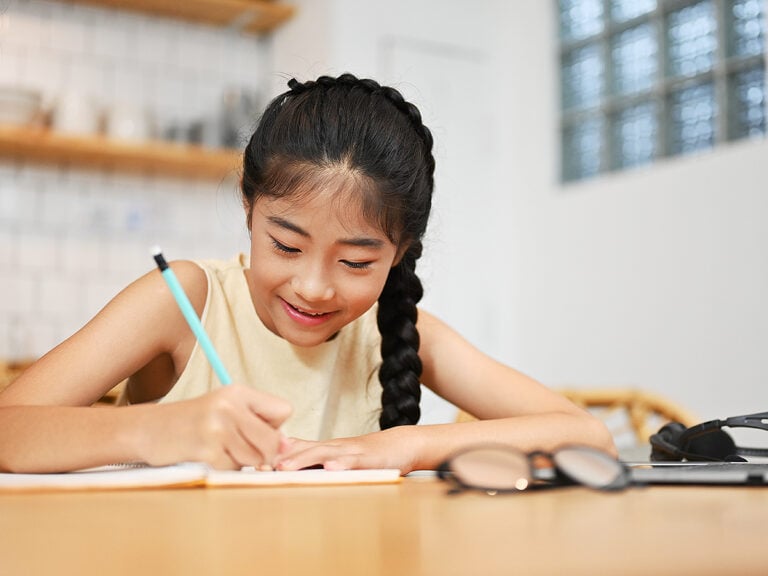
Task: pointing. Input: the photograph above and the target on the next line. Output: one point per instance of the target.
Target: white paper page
(113, 476)
(251, 477)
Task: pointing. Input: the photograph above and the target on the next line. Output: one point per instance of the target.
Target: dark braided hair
(378, 137)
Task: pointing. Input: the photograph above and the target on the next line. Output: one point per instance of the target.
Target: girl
(319, 326)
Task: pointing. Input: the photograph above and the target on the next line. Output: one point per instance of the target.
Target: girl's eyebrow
(362, 241)
(288, 225)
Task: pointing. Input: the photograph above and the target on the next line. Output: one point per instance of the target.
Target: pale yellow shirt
(333, 388)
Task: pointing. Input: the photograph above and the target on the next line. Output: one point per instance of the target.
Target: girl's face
(316, 264)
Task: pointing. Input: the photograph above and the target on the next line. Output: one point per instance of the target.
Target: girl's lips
(304, 318)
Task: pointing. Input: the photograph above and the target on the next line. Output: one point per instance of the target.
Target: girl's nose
(313, 285)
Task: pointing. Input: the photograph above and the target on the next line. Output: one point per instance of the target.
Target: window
(646, 79)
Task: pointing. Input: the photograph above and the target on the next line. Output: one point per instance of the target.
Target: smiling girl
(318, 326)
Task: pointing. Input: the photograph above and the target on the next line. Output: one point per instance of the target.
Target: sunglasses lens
(590, 467)
(492, 469)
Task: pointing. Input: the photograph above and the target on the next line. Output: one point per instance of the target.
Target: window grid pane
(692, 39)
(582, 148)
(692, 119)
(633, 135)
(633, 55)
(624, 10)
(582, 74)
(747, 27)
(747, 99)
(580, 18)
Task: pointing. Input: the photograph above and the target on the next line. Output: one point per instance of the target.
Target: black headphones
(706, 441)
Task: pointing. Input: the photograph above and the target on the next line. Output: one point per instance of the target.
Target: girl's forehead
(322, 207)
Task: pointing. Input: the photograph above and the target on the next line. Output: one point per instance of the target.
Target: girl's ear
(402, 249)
(247, 207)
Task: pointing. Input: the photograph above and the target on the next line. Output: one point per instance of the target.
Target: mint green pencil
(191, 316)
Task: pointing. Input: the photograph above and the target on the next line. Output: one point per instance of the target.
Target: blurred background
(601, 195)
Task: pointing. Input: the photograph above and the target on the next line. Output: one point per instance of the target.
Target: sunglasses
(501, 469)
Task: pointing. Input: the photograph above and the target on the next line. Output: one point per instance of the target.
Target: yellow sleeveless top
(333, 388)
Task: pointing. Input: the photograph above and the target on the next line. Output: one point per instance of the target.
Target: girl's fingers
(316, 455)
(224, 462)
(242, 453)
(291, 446)
(348, 462)
(273, 410)
(285, 445)
(232, 432)
(262, 442)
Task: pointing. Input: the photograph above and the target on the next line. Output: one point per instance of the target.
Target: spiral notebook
(135, 476)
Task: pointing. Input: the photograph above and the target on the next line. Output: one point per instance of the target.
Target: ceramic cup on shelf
(19, 106)
(75, 113)
(128, 122)
(240, 110)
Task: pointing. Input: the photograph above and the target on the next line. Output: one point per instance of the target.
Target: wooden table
(411, 528)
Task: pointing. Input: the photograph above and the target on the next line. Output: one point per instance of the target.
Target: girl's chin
(307, 340)
(299, 335)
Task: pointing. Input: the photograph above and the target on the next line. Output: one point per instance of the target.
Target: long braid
(401, 367)
(400, 372)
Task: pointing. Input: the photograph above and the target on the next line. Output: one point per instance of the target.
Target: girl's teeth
(309, 313)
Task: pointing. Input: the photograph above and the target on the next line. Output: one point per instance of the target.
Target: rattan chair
(10, 370)
(643, 412)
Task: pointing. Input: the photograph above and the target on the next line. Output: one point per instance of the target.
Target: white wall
(655, 277)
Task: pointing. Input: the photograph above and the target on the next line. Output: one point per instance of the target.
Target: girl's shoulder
(195, 275)
(237, 263)
(193, 279)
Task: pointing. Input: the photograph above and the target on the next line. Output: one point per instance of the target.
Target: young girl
(319, 327)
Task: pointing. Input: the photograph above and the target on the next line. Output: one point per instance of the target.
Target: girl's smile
(316, 263)
(306, 317)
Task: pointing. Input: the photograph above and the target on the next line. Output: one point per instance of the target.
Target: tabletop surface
(410, 528)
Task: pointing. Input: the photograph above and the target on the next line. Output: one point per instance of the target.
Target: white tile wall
(71, 239)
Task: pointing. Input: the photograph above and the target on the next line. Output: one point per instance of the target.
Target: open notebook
(132, 476)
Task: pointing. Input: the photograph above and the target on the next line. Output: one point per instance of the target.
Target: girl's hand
(229, 428)
(392, 448)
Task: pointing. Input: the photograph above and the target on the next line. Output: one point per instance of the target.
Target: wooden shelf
(186, 161)
(252, 16)
(45, 147)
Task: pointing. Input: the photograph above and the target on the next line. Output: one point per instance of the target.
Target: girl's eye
(356, 265)
(283, 248)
